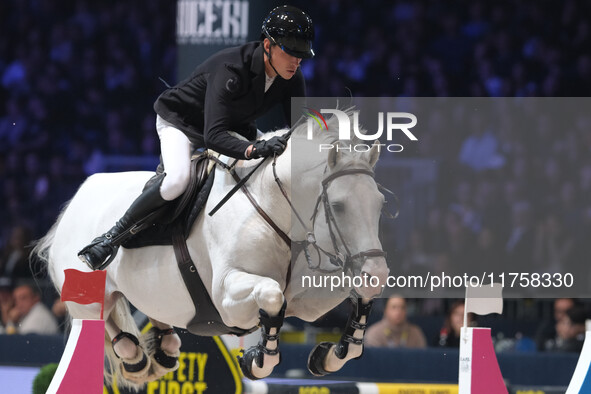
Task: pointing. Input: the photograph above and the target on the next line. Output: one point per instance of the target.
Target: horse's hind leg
(124, 354)
(163, 346)
(127, 356)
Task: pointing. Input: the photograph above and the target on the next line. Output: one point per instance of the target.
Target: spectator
(553, 244)
(394, 330)
(14, 259)
(546, 332)
(60, 311)
(416, 259)
(460, 242)
(464, 207)
(434, 233)
(519, 247)
(570, 331)
(449, 336)
(29, 315)
(488, 254)
(6, 304)
(480, 150)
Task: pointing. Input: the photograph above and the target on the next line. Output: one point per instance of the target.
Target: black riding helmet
(291, 29)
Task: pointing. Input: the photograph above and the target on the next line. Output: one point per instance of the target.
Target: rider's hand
(262, 148)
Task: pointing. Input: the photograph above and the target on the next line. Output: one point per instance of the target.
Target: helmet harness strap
(272, 42)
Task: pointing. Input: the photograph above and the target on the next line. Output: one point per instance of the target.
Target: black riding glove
(269, 147)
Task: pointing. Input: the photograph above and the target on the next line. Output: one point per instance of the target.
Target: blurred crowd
(513, 194)
(455, 48)
(78, 80)
(563, 331)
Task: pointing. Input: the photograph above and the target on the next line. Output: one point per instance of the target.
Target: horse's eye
(337, 207)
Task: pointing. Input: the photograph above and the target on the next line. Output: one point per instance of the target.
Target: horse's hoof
(245, 362)
(317, 357)
(136, 370)
(162, 360)
(162, 363)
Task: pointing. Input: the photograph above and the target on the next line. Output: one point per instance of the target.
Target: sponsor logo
(213, 22)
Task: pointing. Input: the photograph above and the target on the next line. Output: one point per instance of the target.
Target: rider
(216, 107)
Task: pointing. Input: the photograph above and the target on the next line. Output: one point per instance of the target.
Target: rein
(255, 204)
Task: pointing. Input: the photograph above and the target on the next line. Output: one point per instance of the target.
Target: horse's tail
(40, 254)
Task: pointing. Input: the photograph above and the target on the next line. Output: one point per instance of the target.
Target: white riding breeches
(175, 148)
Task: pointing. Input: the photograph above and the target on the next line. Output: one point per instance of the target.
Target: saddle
(171, 226)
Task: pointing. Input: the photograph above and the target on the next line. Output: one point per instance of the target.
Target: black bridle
(342, 261)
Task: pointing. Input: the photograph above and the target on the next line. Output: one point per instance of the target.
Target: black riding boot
(102, 250)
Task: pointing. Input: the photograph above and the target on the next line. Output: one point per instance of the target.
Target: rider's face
(285, 64)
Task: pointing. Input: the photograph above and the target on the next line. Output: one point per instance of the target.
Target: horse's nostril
(370, 280)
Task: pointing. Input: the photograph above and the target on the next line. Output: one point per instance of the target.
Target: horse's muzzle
(374, 272)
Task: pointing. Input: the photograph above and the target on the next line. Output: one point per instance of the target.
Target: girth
(207, 320)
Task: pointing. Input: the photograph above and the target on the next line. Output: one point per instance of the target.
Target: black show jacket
(227, 93)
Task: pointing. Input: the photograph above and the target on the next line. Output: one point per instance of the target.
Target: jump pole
(479, 370)
(581, 380)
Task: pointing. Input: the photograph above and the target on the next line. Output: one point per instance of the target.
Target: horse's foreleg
(329, 357)
(163, 346)
(245, 294)
(259, 361)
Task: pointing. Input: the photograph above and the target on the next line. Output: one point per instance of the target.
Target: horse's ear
(333, 156)
(374, 153)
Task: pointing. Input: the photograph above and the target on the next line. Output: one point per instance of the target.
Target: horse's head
(351, 205)
(333, 186)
